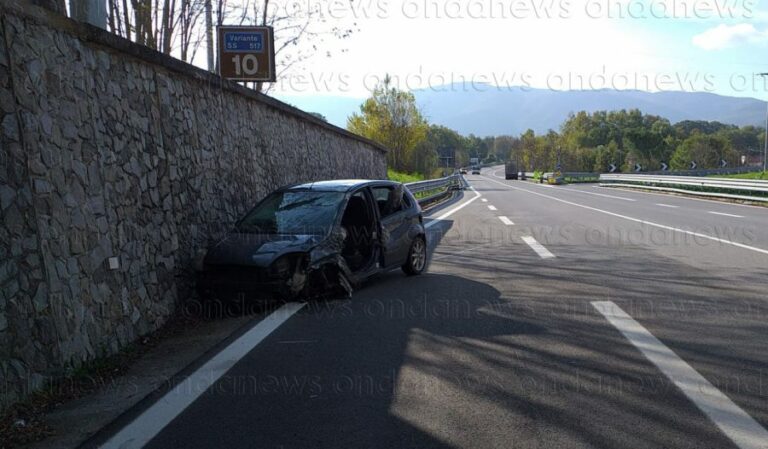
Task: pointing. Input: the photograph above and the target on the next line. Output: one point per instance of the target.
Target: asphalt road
(513, 340)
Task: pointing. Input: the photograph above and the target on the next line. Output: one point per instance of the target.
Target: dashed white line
(741, 428)
(506, 221)
(726, 215)
(637, 220)
(601, 194)
(454, 210)
(539, 248)
(642, 192)
(492, 208)
(485, 200)
(142, 429)
(667, 205)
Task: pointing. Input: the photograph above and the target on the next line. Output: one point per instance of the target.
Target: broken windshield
(293, 212)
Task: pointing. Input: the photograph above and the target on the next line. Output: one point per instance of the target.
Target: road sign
(694, 165)
(246, 53)
(723, 163)
(664, 166)
(612, 168)
(638, 167)
(743, 160)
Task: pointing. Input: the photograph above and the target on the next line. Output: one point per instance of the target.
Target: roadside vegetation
(585, 142)
(756, 175)
(405, 178)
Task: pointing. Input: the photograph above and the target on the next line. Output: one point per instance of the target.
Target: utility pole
(765, 149)
(209, 32)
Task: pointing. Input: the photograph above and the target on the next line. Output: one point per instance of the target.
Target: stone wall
(108, 149)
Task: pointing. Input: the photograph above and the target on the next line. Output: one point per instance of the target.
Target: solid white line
(727, 215)
(667, 205)
(506, 221)
(741, 428)
(142, 429)
(539, 248)
(637, 220)
(454, 210)
(492, 208)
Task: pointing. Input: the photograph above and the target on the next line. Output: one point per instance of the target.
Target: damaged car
(316, 239)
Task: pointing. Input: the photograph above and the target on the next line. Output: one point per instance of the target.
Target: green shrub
(403, 177)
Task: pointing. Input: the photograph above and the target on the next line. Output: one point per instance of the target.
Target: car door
(394, 224)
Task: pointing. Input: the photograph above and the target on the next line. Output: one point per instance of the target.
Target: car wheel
(417, 257)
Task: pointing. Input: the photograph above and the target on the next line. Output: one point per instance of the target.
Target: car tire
(416, 262)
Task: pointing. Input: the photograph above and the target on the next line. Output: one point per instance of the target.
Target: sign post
(247, 53)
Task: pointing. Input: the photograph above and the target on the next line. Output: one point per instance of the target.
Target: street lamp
(765, 150)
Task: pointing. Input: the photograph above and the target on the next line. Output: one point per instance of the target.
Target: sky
(653, 45)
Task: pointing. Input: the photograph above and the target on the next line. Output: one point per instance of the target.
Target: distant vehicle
(476, 170)
(301, 241)
(510, 171)
(463, 171)
(521, 176)
(555, 178)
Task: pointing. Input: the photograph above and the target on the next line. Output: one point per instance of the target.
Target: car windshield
(293, 212)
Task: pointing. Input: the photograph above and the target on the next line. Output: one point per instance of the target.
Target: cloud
(724, 36)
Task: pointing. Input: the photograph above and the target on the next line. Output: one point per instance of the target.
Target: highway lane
(706, 301)
(739, 223)
(498, 346)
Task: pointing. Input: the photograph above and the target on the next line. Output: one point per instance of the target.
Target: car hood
(258, 250)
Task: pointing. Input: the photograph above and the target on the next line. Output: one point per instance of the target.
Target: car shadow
(319, 382)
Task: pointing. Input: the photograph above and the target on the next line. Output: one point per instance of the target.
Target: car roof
(339, 185)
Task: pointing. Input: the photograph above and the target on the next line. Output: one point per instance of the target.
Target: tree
(449, 144)
(182, 27)
(391, 118)
(706, 150)
(318, 115)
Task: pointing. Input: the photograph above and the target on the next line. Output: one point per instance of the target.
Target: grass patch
(405, 178)
(755, 175)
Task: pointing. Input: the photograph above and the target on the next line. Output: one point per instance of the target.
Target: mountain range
(487, 110)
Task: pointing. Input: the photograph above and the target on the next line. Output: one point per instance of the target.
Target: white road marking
(492, 208)
(142, 429)
(727, 215)
(741, 428)
(642, 192)
(637, 220)
(539, 248)
(667, 205)
(484, 200)
(454, 210)
(506, 221)
(600, 194)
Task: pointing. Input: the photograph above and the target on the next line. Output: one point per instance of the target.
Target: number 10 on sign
(247, 65)
(246, 53)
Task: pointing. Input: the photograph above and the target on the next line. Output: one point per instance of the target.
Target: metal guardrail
(441, 186)
(748, 189)
(705, 172)
(578, 176)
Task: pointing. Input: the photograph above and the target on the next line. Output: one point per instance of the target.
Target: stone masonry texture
(109, 149)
